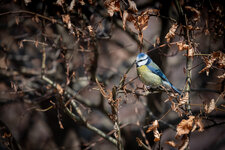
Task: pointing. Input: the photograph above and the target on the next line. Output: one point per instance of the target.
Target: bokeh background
(76, 55)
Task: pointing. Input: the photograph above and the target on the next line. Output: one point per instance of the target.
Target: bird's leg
(148, 87)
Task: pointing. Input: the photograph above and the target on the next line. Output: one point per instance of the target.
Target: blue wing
(156, 70)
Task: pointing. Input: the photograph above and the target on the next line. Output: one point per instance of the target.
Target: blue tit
(150, 74)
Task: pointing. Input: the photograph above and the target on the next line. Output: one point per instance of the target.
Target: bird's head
(142, 59)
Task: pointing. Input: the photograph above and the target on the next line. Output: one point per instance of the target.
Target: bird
(150, 73)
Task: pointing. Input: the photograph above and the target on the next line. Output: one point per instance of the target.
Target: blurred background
(79, 42)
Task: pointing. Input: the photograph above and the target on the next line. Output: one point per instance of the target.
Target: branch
(81, 117)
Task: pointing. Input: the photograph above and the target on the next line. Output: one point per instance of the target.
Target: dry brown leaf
(171, 32)
(81, 2)
(112, 6)
(185, 126)
(176, 108)
(171, 143)
(91, 31)
(216, 57)
(221, 59)
(198, 122)
(66, 18)
(125, 15)
(184, 99)
(156, 135)
(153, 128)
(185, 142)
(141, 22)
(60, 2)
(154, 125)
(182, 46)
(209, 63)
(72, 4)
(210, 107)
(132, 6)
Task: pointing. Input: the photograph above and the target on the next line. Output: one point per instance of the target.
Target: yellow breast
(147, 77)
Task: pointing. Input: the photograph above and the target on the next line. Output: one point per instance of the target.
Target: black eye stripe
(142, 60)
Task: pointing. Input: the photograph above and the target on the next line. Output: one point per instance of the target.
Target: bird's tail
(169, 85)
(176, 90)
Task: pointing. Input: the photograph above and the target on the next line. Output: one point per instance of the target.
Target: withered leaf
(182, 46)
(171, 32)
(112, 6)
(185, 126)
(153, 128)
(81, 2)
(156, 135)
(216, 57)
(210, 107)
(154, 125)
(132, 6)
(221, 59)
(60, 2)
(198, 122)
(66, 18)
(141, 22)
(183, 100)
(125, 15)
(72, 4)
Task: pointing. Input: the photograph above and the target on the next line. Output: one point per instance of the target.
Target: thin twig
(82, 118)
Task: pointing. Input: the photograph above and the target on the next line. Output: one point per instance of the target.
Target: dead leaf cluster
(171, 33)
(217, 58)
(112, 6)
(154, 128)
(183, 129)
(189, 125)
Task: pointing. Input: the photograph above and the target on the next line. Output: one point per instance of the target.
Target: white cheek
(141, 63)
